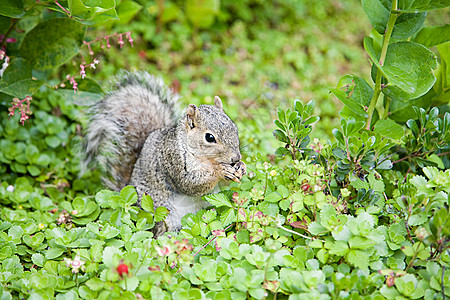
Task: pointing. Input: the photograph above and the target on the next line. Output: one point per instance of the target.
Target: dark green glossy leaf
(355, 93)
(421, 5)
(17, 79)
(389, 129)
(52, 43)
(408, 68)
(89, 12)
(408, 24)
(433, 35)
(378, 12)
(11, 8)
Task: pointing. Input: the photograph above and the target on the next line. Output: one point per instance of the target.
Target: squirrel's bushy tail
(120, 123)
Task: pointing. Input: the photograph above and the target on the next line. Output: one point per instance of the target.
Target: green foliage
(46, 41)
(363, 216)
(402, 67)
(294, 127)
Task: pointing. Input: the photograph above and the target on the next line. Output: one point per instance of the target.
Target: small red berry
(122, 269)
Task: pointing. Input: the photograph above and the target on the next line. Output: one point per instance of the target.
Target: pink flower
(93, 63)
(130, 40)
(163, 251)
(82, 72)
(24, 109)
(121, 42)
(76, 264)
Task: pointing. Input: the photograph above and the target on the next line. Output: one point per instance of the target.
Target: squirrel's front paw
(234, 172)
(241, 170)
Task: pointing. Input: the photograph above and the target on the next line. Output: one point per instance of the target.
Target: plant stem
(267, 182)
(204, 246)
(411, 262)
(8, 32)
(386, 108)
(63, 9)
(442, 283)
(376, 93)
(266, 269)
(296, 233)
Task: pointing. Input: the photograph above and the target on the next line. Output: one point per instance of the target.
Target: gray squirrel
(136, 137)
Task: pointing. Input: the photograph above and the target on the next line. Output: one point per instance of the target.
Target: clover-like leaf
(218, 200)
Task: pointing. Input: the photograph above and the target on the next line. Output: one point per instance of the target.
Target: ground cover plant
(346, 206)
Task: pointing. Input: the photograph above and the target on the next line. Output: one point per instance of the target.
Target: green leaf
(54, 252)
(408, 69)
(52, 43)
(201, 13)
(315, 228)
(15, 233)
(91, 12)
(102, 198)
(359, 242)
(406, 284)
(417, 219)
(17, 80)
(129, 194)
(95, 284)
(355, 93)
(147, 203)
(127, 10)
(218, 200)
(327, 212)
(161, 213)
(358, 258)
(52, 141)
(108, 255)
(38, 259)
(433, 35)
(11, 8)
(284, 192)
(228, 217)
(88, 93)
(411, 6)
(378, 12)
(209, 215)
(243, 236)
(389, 129)
(389, 292)
(43, 160)
(401, 111)
(408, 24)
(273, 197)
(339, 248)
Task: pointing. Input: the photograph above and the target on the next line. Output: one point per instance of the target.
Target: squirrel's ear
(218, 103)
(191, 113)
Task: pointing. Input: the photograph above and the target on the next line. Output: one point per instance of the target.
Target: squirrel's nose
(236, 159)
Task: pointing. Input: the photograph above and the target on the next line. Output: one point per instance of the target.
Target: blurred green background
(256, 55)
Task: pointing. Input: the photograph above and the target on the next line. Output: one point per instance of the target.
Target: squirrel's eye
(210, 138)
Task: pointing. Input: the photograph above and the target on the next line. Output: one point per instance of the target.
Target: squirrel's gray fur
(135, 137)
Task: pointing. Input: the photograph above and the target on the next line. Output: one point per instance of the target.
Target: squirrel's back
(120, 123)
